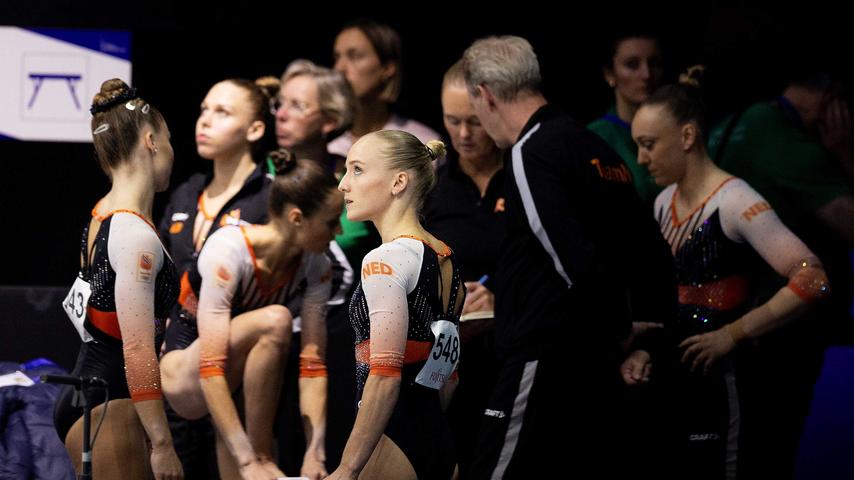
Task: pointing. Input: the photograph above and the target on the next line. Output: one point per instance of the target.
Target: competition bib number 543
(75, 306)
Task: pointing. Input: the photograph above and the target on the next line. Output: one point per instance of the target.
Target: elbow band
(208, 370)
(385, 371)
(810, 283)
(146, 394)
(142, 372)
(310, 367)
(386, 364)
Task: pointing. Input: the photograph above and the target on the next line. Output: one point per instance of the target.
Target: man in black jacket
(581, 261)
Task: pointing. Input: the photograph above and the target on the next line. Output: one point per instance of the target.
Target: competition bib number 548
(443, 357)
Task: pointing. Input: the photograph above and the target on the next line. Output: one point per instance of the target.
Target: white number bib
(75, 306)
(443, 356)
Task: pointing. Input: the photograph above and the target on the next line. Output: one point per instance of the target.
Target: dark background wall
(178, 52)
(47, 189)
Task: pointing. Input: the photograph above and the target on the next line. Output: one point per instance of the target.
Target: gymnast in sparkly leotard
(718, 228)
(125, 288)
(405, 314)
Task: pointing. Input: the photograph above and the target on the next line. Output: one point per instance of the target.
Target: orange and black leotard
(133, 287)
(394, 312)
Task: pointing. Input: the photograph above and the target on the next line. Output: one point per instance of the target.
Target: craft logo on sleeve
(146, 267)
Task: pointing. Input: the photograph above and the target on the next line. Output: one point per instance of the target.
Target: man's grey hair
(506, 64)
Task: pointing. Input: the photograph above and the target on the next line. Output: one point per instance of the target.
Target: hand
(165, 464)
(260, 470)
(835, 129)
(636, 368)
(478, 298)
(313, 466)
(706, 349)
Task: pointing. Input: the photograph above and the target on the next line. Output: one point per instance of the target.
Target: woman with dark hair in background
(233, 118)
(633, 70)
(125, 290)
(255, 281)
(369, 55)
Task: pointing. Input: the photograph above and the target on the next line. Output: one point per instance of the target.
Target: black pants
(705, 425)
(478, 372)
(553, 414)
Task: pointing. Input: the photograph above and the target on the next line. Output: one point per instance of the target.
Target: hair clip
(101, 129)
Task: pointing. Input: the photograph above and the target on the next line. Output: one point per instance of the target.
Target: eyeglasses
(295, 108)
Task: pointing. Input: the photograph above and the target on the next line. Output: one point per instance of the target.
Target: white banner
(49, 77)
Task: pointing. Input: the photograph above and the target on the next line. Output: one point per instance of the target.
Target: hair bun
(436, 149)
(693, 76)
(269, 86)
(283, 160)
(113, 92)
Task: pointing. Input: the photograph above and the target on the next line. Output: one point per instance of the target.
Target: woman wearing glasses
(314, 105)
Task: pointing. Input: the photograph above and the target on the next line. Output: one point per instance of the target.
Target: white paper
(17, 379)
